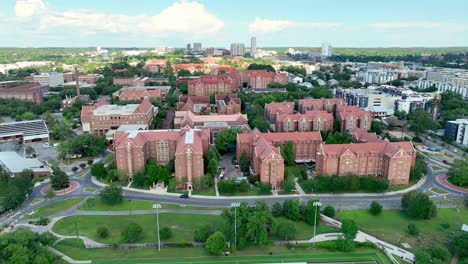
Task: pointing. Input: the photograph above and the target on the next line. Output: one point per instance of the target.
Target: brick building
(29, 92)
(273, 109)
(255, 79)
(228, 104)
(156, 66)
(136, 93)
(131, 81)
(323, 104)
(361, 136)
(186, 147)
(311, 121)
(102, 116)
(390, 160)
(191, 67)
(196, 104)
(352, 116)
(210, 84)
(263, 151)
(187, 118)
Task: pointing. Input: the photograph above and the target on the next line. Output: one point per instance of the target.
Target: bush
(90, 161)
(102, 231)
(263, 188)
(277, 209)
(288, 185)
(82, 165)
(215, 243)
(413, 230)
(243, 186)
(329, 211)
(74, 169)
(418, 205)
(165, 233)
(132, 233)
(328, 245)
(440, 252)
(292, 210)
(99, 170)
(340, 184)
(43, 221)
(344, 245)
(285, 231)
(417, 139)
(227, 186)
(202, 233)
(375, 208)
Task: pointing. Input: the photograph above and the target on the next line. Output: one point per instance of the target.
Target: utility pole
(235, 205)
(157, 207)
(316, 204)
(76, 229)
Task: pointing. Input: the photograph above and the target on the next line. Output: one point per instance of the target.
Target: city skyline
(53, 23)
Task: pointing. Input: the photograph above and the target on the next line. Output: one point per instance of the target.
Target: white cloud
(268, 26)
(420, 25)
(29, 8)
(180, 17)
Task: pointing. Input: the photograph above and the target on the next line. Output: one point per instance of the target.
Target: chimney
(77, 82)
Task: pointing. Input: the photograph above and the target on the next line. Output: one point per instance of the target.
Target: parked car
(445, 161)
(184, 196)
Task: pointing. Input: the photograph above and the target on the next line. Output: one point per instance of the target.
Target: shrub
(99, 170)
(375, 208)
(43, 221)
(132, 233)
(202, 233)
(440, 252)
(90, 161)
(344, 245)
(418, 205)
(277, 209)
(102, 231)
(328, 245)
(264, 188)
(445, 226)
(74, 169)
(243, 186)
(82, 165)
(413, 230)
(111, 194)
(417, 139)
(215, 243)
(329, 211)
(227, 186)
(165, 233)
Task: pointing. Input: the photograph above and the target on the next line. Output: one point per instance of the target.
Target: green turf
(182, 225)
(93, 204)
(91, 190)
(54, 208)
(75, 249)
(391, 226)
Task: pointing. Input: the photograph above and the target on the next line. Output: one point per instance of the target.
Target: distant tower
(197, 47)
(237, 49)
(326, 49)
(189, 47)
(77, 82)
(253, 46)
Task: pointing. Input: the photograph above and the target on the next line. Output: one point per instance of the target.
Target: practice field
(331, 258)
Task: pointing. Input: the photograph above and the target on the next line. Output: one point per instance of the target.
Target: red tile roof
(280, 136)
(310, 115)
(384, 147)
(363, 136)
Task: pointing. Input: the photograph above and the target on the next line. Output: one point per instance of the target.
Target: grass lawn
(89, 189)
(392, 226)
(182, 225)
(438, 190)
(93, 204)
(294, 171)
(54, 208)
(210, 192)
(75, 249)
(305, 231)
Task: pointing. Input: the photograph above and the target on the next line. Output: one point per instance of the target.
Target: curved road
(339, 201)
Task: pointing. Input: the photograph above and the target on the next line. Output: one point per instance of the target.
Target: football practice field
(332, 258)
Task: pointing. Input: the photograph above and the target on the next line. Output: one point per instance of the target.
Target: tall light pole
(157, 207)
(316, 204)
(235, 205)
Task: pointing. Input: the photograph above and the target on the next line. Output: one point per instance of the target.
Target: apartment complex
(390, 160)
(187, 118)
(210, 84)
(185, 146)
(195, 104)
(272, 110)
(29, 92)
(136, 93)
(156, 66)
(310, 121)
(264, 154)
(457, 131)
(445, 79)
(258, 79)
(102, 116)
(352, 116)
(237, 49)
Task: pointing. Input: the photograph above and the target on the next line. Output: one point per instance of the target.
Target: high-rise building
(237, 49)
(189, 47)
(197, 47)
(326, 49)
(253, 46)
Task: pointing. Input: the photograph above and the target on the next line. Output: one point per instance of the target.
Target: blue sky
(217, 23)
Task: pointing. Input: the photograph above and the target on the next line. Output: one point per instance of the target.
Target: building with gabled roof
(187, 118)
(102, 116)
(277, 108)
(361, 136)
(310, 121)
(228, 104)
(196, 104)
(156, 66)
(266, 159)
(389, 160)
(323, 104)
(209, 84)
(137, 93)
(352, 116)
(186, 147)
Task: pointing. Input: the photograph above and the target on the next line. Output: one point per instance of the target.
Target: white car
(47, 145)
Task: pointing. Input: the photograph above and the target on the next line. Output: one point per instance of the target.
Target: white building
(51, 79)
(197, 47)
(454, 80)
(326, 49)
(458, 131)
(237, 49)
(253, 47)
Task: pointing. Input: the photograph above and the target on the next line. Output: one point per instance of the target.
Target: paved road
(339, 201)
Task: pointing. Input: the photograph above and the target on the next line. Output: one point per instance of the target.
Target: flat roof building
(15, 164)
(26, 131)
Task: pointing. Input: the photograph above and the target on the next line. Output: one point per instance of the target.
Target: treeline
(14, 190)
(340, 184)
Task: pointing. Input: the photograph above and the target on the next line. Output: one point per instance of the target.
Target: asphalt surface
(339, 201)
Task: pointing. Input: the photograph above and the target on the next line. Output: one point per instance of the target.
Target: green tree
(458, 172)
(440, 252)
(99, 170)
(292, 210)
(27, 116)
(419, 169)
(244, 162)
(310, 213)
(421, 121)
(29, 150)
(243, 186)
(227, 186)
(213, 154)
(418, 205)
(225, 141)
(422, 257)
(165, 233)
(59, 179)
(413, 230)
(49, 119)
(459, 245)
(157, 172)
(213, 166)
(285, 230)
(376, 127)
(61, 130)
(349, 228)
(49, 193)
(203, 232)
(215, 243)
(277, 209)
(87, 145)
(102, 231)
(329, 211)
(132, 233)
(288, 185)
(375, 208)
(111, 194)
(287, 151)
(345, 245)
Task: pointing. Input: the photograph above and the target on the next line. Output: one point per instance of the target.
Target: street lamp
(316, 204)
(157, 207)
(235, 205)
